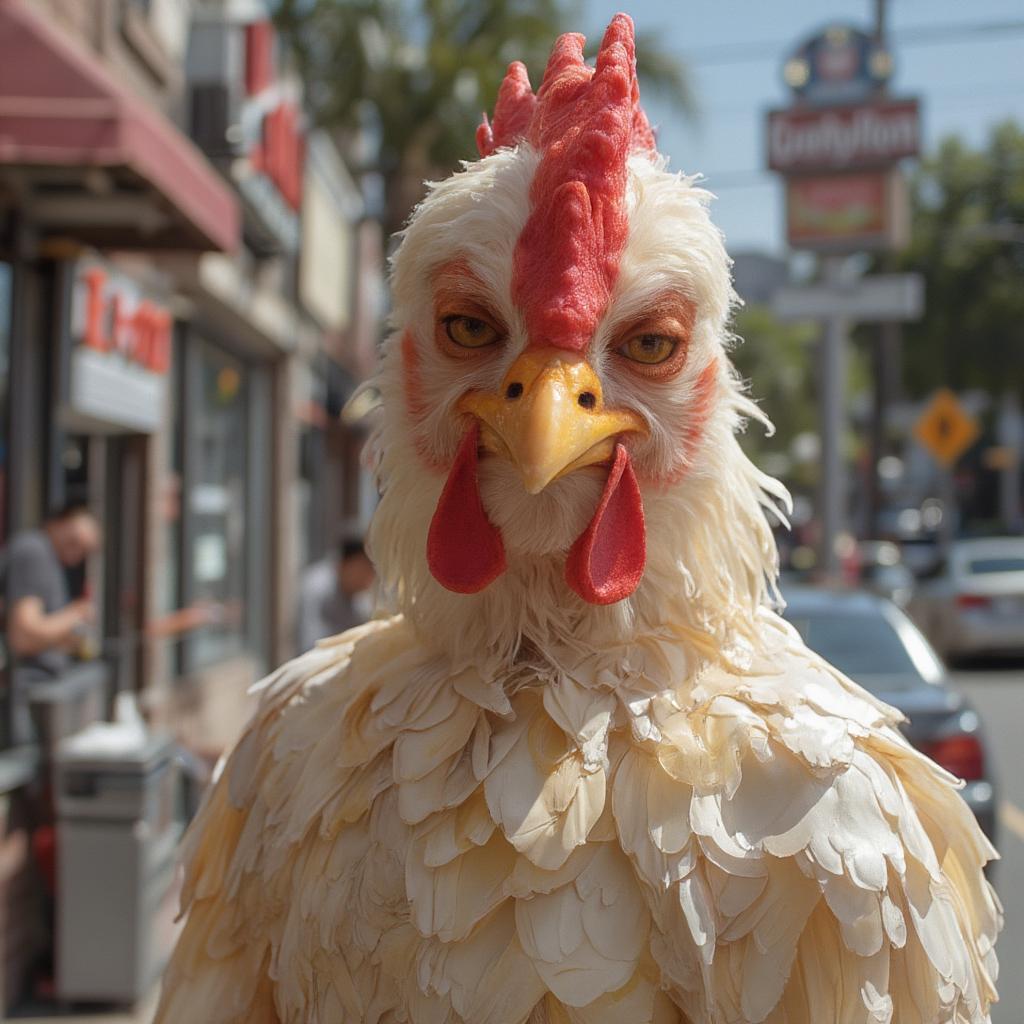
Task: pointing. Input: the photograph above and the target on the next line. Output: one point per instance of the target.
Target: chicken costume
(584, 774)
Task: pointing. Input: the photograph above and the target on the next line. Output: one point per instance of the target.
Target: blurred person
(335, 593)
(44, 625)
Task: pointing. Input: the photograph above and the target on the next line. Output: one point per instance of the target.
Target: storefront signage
(272, 142)
(114, 319)
(843, 138)
(122, 351)
(279, 153)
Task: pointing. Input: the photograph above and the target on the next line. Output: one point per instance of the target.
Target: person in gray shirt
(43, 623)
(334, 594)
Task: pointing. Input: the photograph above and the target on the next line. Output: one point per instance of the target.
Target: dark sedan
(875, 644)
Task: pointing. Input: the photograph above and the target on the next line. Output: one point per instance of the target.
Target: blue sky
(966, 82)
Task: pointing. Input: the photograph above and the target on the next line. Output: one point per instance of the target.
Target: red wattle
(607, 561)
(464, 548)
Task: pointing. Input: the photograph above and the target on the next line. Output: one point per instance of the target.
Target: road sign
(879, 297)
(945, 428)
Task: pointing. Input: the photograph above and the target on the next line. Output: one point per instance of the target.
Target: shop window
(5, 365)
(216, 558)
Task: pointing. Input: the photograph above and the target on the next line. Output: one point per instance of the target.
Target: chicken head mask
(560, 311)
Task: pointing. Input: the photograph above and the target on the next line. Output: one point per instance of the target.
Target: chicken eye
(649, 349)
(470, 331)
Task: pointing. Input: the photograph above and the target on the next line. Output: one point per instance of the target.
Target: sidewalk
(143, 1014)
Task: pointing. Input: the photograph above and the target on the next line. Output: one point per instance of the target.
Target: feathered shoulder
(632, 835)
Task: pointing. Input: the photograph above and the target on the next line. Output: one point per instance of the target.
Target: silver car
(869, 639)
(973, 601)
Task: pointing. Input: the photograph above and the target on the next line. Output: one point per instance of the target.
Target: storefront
(97, 186)
(208, 637)
(112, 367)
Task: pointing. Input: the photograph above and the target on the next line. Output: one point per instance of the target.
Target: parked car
(869, 639)
(973, 601)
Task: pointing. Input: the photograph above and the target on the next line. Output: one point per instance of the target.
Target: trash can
(117, 832)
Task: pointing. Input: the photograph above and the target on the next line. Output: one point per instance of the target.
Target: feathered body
(573, 792)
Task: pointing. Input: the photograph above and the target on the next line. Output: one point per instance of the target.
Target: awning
(88, 159)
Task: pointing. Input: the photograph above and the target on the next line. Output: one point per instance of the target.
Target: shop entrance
(109, 470)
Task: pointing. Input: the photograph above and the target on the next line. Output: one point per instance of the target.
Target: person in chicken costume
(586, 774)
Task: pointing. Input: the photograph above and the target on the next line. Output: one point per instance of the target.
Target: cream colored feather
(516, 807)
(744, 846)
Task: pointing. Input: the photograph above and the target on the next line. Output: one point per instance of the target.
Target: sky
(967, 81)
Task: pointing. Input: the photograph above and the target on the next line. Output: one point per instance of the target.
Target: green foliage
(777, 360)
(968, 241)
(419, 73)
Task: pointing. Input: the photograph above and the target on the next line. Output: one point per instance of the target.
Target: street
(997, 691)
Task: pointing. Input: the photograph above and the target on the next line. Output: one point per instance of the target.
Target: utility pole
(832, 420)
(885, 370)
(843, 192)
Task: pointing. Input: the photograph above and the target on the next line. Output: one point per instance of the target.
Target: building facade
(189, 291)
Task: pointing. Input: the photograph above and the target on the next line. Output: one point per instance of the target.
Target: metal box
(117, 834)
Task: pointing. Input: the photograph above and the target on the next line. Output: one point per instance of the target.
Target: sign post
(837, 303)
(946, 430)
(838, 147)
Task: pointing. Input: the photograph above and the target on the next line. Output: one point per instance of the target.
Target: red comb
(512, 112)
(585, 123)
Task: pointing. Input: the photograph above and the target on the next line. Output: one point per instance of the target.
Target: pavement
(997, 690)
(142, 1014)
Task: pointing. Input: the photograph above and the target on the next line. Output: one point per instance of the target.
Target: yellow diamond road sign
(945, 428)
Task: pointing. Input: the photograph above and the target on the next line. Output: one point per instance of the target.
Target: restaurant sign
(121, 350)
(862, 209)
(807, 139)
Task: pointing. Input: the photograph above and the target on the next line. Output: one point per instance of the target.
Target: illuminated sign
(841, 64)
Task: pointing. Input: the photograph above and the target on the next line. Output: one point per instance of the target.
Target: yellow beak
(548, 418)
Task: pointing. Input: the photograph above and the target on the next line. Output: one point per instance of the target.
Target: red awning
(60, 110)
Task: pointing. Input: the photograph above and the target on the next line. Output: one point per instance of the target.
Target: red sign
(279, 153)
(844, 211)
(114, 322)
(804, 139)
(259, 57)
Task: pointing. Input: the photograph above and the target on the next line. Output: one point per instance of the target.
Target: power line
(934, 97)
(918, 35)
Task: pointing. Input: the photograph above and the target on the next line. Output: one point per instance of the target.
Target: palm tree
(415, 75)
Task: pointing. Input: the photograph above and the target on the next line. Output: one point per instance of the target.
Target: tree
(779, 361)
(968, 241)
(416, 75)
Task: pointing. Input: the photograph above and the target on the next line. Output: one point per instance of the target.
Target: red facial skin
(414, 404)
(675, 316)
(705, 395)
